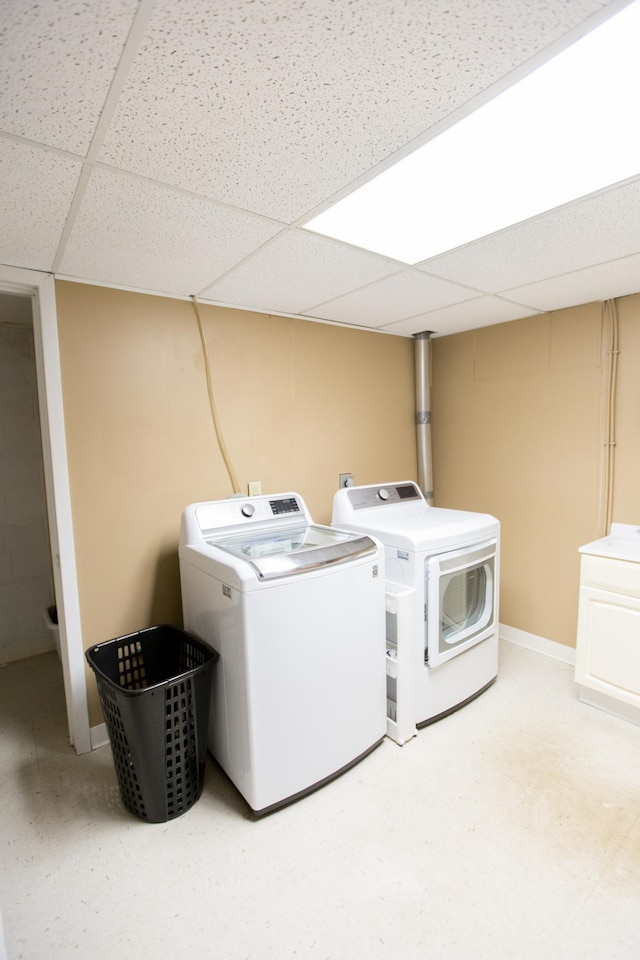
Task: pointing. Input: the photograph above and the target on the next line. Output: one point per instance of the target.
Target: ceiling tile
(223, 114)
(274, 105)
(37, 190)
(480, 312)
(298, 269)
(599, 228)
(583, 286)
(57, 60)
(131, 232)
(403, 295)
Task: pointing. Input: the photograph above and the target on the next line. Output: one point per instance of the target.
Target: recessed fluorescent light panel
(567, 130)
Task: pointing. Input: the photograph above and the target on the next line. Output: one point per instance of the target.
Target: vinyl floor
(510, 829)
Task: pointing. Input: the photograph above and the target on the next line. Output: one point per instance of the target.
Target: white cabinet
(608, 641)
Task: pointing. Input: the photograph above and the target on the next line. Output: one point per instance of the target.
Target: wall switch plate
(255, 488)
(346, 480)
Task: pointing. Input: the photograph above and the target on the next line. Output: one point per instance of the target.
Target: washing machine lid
(399, 515)
(288, 551)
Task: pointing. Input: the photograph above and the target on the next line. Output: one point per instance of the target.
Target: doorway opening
(38, 288)
(28, 615)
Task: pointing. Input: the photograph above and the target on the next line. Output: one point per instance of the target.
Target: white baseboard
(25, 648)
(99, 736)
(557, 651)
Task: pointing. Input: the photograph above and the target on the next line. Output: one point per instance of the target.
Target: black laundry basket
(155, 692)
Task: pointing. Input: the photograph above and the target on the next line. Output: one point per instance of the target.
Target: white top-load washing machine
(449, 560)
(296, 612)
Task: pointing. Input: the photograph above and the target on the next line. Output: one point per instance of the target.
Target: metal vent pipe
(423, 413)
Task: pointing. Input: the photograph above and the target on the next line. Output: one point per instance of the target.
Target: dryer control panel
(361, 498)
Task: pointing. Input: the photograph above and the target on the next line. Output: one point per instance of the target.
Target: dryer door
(461, 601)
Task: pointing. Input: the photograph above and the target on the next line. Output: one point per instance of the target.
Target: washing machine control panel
(205, 519)
(361, 498)
(286, 505)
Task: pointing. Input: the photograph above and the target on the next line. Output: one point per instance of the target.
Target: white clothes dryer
(296, 612)
(450, 561)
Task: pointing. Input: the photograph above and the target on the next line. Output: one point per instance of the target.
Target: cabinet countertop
(623, 543)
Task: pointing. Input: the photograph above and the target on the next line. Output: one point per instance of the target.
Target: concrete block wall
(26, 582)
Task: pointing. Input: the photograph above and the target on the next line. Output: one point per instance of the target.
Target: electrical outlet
(255, 488)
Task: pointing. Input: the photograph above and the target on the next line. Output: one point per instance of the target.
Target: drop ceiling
(178, 147)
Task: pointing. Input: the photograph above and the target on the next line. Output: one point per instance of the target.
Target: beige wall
(516, 433)
(299, 403)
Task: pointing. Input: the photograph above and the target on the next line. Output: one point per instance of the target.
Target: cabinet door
(608, 644)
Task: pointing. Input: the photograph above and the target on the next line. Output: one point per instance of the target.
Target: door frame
(40, 288)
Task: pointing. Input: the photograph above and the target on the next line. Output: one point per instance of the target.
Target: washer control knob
(383, 493)
(248, 510)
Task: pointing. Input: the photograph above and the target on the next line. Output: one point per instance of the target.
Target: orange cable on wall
(212, 404)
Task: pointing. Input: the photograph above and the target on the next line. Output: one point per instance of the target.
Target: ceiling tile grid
(583, 286)
(592, 230)
(274, 105)
(177, 146)
(193, 239)
(394, 298)
(298, 269)
(57, 60)
(479, 312)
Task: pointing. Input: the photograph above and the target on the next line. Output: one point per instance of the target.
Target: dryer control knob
(383, 493)
(248, 510)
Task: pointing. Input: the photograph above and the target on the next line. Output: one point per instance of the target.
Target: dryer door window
(460, 602)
